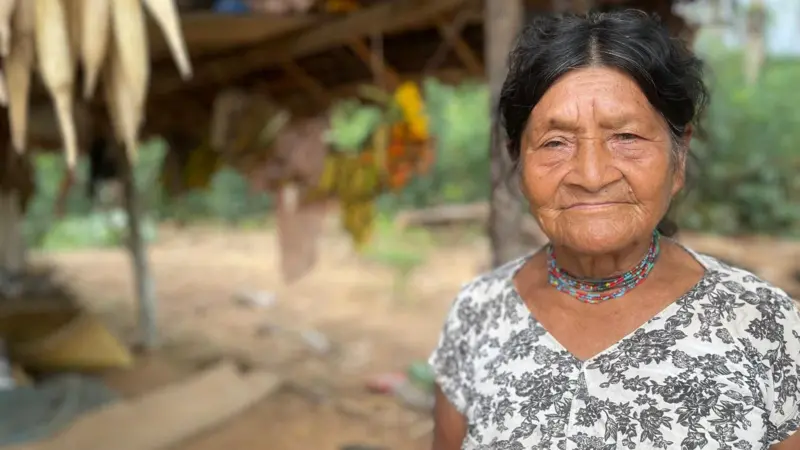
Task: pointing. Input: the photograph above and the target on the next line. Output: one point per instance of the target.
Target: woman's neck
(601, 266)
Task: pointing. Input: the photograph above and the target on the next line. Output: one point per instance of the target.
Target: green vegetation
(401, 250)
(745, 179)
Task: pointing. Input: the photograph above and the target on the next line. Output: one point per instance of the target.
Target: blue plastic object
(34, 413)
(231, 7)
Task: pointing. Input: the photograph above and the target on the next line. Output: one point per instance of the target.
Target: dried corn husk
(120, 104)
(130, 46)
(95, 37)
(165, 14)
(3, 89)
(6, 14)
(57, 68)
(74, 11)
(19, 65)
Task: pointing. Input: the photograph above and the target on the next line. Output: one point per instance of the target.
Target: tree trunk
(503, 22)
(755, 45)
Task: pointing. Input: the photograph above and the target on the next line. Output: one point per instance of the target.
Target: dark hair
(666, 71)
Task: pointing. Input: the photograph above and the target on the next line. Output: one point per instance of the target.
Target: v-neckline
(663, 314)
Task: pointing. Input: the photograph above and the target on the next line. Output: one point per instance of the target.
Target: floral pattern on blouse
(717, 369)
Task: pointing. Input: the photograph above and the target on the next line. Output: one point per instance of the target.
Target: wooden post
(12, 243)
(502, 24)
(16, 189)
(143, 279)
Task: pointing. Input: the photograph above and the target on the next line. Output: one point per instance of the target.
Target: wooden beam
(385, 18)
(447, 75)
(309, 83)
(451, 32)
(301, 106)
(380, 70)
(207, 33)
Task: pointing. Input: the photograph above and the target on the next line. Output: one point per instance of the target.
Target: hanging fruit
(409, 99)
(358, 219)
(374, 148)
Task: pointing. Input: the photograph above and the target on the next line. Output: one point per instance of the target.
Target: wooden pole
(17, 184)
(502, 24)
(143, 279)
(755, 44)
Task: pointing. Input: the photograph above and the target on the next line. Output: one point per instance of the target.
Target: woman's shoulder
(491, 285)
(738, 278)
(489, 297)
(747, 292)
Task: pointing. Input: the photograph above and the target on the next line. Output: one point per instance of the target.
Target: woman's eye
(627, 137)
(553, 144)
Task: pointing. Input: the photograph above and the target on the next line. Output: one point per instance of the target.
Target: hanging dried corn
(107, 37)
(95, 37)
(120, 104)
(3, 89)
(129, 70)
(74, 15)
(165, 14)
(6, 15)
(57, 68)
(18, 65)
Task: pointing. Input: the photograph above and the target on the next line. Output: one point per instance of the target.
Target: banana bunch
(106, 38)
(358, 219)
(356, 181)
(350, 177)
(373, 148)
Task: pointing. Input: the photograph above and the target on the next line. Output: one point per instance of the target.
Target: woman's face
(597, 162)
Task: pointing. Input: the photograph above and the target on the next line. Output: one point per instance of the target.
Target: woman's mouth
(593, 206)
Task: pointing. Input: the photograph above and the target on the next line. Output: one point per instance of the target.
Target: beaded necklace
(598, 291)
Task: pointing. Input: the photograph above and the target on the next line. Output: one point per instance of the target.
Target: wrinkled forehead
(594, 96)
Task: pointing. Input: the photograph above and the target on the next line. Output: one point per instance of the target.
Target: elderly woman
(613, 336)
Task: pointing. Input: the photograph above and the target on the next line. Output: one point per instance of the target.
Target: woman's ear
(679, 176)
(686, 139)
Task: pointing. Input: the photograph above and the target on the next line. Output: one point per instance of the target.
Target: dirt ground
(325, 335)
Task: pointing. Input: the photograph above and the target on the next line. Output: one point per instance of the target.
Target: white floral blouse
(717, 369)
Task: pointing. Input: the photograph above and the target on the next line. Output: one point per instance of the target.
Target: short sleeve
(452, 359)
(784, 359)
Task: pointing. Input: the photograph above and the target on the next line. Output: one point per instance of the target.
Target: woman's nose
(592, 166)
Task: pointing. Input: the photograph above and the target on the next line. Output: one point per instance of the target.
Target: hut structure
(298, 55)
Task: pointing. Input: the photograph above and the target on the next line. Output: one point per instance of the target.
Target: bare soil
(325, 334)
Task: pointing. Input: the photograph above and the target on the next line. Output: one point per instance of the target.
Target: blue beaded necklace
(598, 291)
